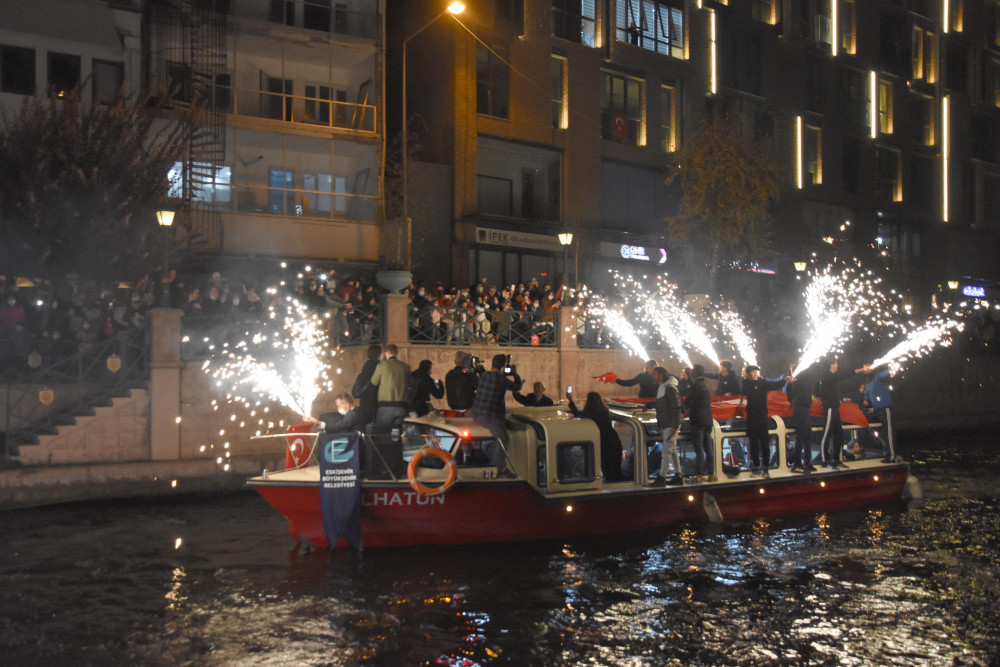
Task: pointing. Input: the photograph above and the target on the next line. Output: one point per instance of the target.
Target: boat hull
(503, 511)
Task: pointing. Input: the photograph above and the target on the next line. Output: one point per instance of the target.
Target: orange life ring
(437, 452)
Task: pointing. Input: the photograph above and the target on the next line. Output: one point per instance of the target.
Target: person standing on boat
(878, 395)
(363, 389)
(800, 396)
(685, 383)
(461, 381)
(611, 445)
(668, 420)
(755, 390)
(391, 377)
(421, 388)
(346, 419)
(699, 405)
(832, 439)
(647, 385)
(729, 384)
(489, 409)
(536, 399)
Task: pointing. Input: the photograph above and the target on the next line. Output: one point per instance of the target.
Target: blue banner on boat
(340, 487)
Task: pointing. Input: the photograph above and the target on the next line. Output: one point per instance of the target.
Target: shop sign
(638, 253)
(511, 239)
(973, 290)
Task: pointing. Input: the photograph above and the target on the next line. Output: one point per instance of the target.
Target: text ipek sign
(340, 487)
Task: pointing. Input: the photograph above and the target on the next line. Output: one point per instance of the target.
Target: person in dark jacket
(832, 440)
(364, 391)
(536, 399)
(685, 383)
(346, 419)
(422, 386)
(611, 444)
(647, 386)
(668, 419)
(489, 410)
(878, 397)
(800, 396)
(728, 383)
(699, 405)
(755, 389)
(461, 381)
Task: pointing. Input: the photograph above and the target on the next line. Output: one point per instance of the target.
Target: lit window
(668, 118)
(884, 107)
(656, 25)
(621, 109)
(847, 26)
(557, 88)
(209, 185)
(64, 73)
(996, 81)
(922, 113)
(924, 55)
(765, 11)
(890, 178)
(957, 8)
(813, 154)
(575, 20)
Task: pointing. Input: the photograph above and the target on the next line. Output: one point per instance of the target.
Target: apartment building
(533, 117)
(287, 161)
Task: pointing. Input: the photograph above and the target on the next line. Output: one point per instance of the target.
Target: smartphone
(506, 369)
(570, 389)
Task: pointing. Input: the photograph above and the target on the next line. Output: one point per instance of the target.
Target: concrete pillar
(396, 324)
(165, 385)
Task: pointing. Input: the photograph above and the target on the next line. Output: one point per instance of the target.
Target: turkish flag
(619, 125)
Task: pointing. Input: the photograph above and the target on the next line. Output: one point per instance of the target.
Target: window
(281, 198)
(518, 181)
(64, 73)
(814, 84)
(813, 154)
(815, 23)
(850, 163)
(319, 102)
(957, 67)
(655, 25)
(922, 119)
(765, 11)
(575, 462)
(847, 22)
(621, 109)
(853, 99)
(316, 15)
(991, 199)
(492, 83)
(17, 70)
(884, 107)
(901, 242)
(179, 75)
(995, 81)
(957, 15)
(276, 102)
(315, 197)
(924, 55)
(511, 12)
(741, 56)
(575, 20)
(889, 177)
(210, 185)
(923, 178)
(668, 119)
(557, 89)
(994, 26)
(283, 11)
(108, 78)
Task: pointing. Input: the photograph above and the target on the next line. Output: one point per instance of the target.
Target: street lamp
(565, 239)
(453, 9)
(165, 218)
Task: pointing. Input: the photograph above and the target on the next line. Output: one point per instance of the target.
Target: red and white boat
(558, 492)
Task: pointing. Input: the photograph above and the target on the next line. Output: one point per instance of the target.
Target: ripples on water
(104, 583)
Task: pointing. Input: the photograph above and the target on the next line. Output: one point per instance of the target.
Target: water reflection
(105, 582)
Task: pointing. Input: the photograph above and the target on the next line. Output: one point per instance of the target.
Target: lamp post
(165, 218)
(453, 9)
(565, 239)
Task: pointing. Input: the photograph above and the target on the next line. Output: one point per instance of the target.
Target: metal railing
(298, 202)
(84, 376)
(300, 109)
(205, 336)
(459, 326)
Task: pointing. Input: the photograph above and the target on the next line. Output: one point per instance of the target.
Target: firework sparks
(295, 370)
(621, 329)
(918, 343)
(732, 327)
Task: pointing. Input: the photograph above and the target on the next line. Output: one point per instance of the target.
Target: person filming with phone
(489, 409)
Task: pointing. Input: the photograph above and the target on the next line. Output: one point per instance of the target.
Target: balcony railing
(459, 326)
(308, 110)
(299, 202)
(319, 15)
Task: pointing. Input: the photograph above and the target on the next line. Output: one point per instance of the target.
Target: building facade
(287, 159)
(554, 115)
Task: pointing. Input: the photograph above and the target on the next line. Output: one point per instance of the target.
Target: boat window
(575, 462)
(861, 443)
(627, 434)
(417, 436)
(543, 480)
(472, 452)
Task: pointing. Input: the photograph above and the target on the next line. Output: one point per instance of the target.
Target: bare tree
(80, 184)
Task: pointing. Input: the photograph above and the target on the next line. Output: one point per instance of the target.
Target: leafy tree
(80, 184)
(729, 181)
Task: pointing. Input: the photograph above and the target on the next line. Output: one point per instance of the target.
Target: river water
(216, 581)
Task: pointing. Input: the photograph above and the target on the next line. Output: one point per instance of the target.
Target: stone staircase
(113, 433)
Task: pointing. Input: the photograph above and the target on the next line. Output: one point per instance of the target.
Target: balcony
(318, 112)
(298, 202)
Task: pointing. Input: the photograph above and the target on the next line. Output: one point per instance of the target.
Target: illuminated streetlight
(165, 218)
(565, 239)
(453, 9)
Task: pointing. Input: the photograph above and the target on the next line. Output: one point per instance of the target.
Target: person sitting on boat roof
(755, 389)
(729, 384)
(647, 385)
(489, 409)
(668, 420)
(611, 445)
(346, 419)
(536, 399)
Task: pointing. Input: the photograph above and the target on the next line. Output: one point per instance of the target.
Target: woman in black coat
(422, 387)
(611, 444)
